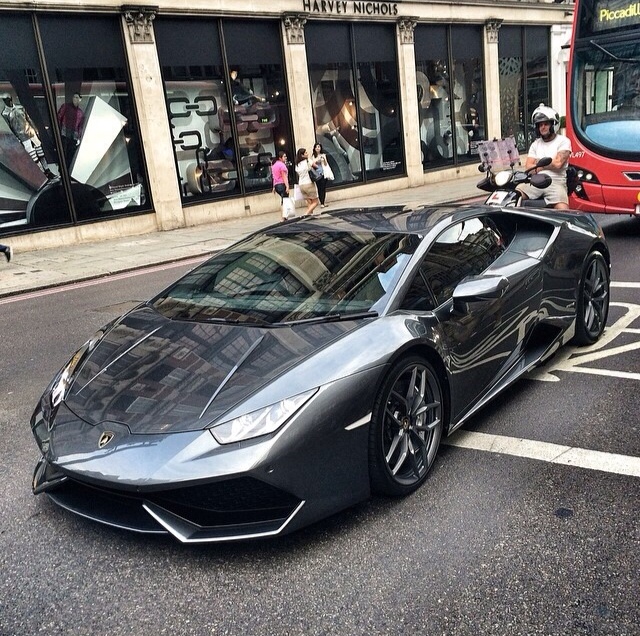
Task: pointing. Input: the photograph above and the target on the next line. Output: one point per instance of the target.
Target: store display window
(524, 79)
(31, 194)
(95, 115)
(468, 90)
(451, 103)
(356, 99)
(228, 119)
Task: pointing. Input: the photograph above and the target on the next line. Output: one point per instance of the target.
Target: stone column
(409, 97)
(492, 78)
(295, 57)
(155, 134)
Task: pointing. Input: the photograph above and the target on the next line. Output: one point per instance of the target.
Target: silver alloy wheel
(411, 425)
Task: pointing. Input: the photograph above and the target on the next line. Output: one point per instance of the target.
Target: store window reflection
(95, 114)
(357, 114)
(30, 191)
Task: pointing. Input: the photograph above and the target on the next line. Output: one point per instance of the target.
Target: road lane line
(547, 452)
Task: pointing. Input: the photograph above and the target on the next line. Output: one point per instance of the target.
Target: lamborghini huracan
(311, 364)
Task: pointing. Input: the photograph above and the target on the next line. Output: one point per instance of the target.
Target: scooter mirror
(544, 161)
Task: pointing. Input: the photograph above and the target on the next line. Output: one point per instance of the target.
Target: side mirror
(544, 161)
(478, 289)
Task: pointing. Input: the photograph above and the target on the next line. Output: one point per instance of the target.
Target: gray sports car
(311, 364)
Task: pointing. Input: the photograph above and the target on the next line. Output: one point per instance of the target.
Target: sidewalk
(29, 271)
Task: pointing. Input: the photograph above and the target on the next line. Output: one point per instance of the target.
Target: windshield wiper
(201, 317)
(328, 318)
(611, 55)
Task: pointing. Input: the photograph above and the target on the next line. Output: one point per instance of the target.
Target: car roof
(401, 219)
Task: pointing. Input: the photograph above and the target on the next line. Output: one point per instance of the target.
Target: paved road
(504, 538)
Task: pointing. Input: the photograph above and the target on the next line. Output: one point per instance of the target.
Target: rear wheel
(406, 427)
(593, 300)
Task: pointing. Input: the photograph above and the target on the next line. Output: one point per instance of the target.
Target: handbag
(328, 173)
(288, 208)
(313, 176)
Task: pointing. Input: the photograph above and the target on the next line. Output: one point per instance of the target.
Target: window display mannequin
(240, 93)
(71, 120)
(23, 128)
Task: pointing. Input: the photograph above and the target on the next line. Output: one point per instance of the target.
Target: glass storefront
(356, 100)
(69, 139)
(451, 102)
(524, 79)
(70, 147)
(227, 105)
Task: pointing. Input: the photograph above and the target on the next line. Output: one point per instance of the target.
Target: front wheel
(406, 427)
(593, 300)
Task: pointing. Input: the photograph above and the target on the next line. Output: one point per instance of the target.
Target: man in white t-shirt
(548, 143)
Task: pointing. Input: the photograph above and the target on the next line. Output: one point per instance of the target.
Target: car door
(483, 337)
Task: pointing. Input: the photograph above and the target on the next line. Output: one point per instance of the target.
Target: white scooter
(501, 163)
(502, 184)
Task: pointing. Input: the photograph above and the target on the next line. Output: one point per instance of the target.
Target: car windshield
(607, 86)
(277, 277)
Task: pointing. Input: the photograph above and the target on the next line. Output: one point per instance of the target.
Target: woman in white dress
(307, 187)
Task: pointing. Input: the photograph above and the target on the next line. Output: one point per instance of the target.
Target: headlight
(262, 422)
(65, 377)
(502, 178)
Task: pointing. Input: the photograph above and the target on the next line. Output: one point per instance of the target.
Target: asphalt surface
(493, 544)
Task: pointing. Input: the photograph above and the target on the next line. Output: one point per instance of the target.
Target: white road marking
(544, 451)
(573, 359)
(630, 285)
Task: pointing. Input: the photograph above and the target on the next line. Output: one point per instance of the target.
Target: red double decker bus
(603, 110)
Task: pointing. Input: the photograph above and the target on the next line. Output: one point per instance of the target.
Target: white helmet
(545, 113)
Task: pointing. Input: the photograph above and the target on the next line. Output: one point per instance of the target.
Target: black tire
(406, 427)
(593, 300)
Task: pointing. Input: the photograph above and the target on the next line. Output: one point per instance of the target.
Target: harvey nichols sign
(342, 7)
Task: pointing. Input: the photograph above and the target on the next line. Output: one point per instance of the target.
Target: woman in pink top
(280, 175)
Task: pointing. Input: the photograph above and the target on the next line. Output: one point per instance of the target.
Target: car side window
(465, 249)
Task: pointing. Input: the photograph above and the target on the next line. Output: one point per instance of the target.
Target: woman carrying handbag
(280, 179)
(323, 172)
(305, 183)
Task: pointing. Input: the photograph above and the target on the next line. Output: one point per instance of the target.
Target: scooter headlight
(502, 178)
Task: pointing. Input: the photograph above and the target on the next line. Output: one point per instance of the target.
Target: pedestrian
(8, 252)
(306, 185)
(280, 178)
(321, 173)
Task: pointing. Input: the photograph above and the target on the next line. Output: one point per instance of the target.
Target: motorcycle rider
(548, 143)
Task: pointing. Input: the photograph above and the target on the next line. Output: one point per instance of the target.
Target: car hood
(156, 375)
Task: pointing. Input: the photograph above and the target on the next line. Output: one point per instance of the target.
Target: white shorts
(555, 193)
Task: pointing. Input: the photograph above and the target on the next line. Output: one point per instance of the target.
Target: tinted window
(281, 276)
(466, 249)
